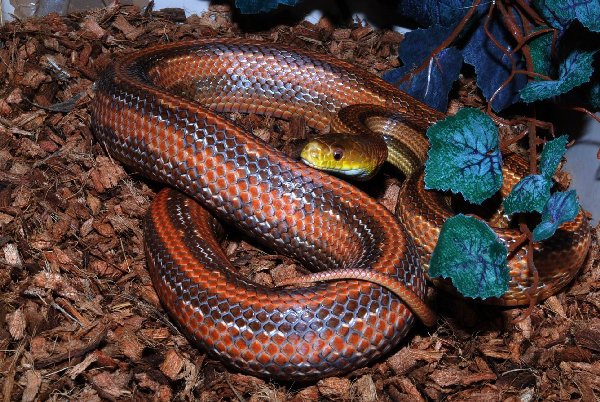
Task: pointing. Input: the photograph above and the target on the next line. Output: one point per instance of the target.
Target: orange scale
(297, 359)
(247, 355)
(222, 182)
(232, 177)
(247, 335)
(262, 337)
(210, 164)
(279, 340)
(280, 359)
(253, 192)
(245, 197)
(271, 349)
(263, 358)
(233, 333)
(280, 214)
(256, 204)
(288, 349)
(372, 320)
(255, 347)
(210, 176)
(265, 198)
(343, 330)
(338, 343)
(234, 353)
(377, 339)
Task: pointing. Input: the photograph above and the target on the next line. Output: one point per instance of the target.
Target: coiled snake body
(155, 111)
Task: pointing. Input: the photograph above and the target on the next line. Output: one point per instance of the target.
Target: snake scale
(155, 110)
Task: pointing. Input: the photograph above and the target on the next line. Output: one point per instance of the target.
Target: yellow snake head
(341, 154)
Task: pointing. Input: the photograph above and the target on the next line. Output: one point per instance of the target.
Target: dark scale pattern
(325, 223)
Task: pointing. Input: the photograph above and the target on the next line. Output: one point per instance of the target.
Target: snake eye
(338, 154)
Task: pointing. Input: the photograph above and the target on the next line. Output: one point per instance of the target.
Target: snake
(159, 111)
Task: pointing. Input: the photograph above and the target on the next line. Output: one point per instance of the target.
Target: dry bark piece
(104, 269)
(162, 392)
(16, 324)
(407, 359)
(308, 394)
(112, 385)
(90, 29)
(364, 389)
(130, 32)
(335, 388)
(172, 365)
(106, 174)
(12, 256)
(361, 33)
(129, 343)
(588, 335)
(31, 380)
(341, 34)
(402, 389)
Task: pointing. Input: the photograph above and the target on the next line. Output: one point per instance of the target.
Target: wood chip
(16, 324)
(172, 365)
(335, 389)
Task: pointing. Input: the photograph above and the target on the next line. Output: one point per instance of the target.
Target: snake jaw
(333, 155)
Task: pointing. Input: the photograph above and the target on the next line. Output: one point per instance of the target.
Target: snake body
(154, 110)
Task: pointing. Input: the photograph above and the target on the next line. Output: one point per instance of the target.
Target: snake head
(340, 154)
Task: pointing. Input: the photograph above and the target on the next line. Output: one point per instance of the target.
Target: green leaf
(575, 70)
(470, 253)
(530, 194)
(552, 154)
(464, 156)
(541, 54)
(561, 207)
(560, 13)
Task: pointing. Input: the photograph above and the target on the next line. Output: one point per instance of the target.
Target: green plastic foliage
(575, 70)
(552, 154)
(533, 191)
(540, 48)
(472, 256)
(530, 194)
(464, 156)
(561, 207)
(560, 13)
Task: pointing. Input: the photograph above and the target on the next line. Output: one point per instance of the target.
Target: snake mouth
(356, 173)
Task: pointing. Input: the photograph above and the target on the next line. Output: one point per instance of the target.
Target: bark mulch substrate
(79, 319)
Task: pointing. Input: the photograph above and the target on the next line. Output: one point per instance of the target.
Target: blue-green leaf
(470, 253)
(551, 155)
(464, 156)
(561, 207)
(560, 13)
(574, 71)
(541, 54)
(530, 194)
(261, 6)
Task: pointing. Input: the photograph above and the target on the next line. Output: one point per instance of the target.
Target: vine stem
(536, 276)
